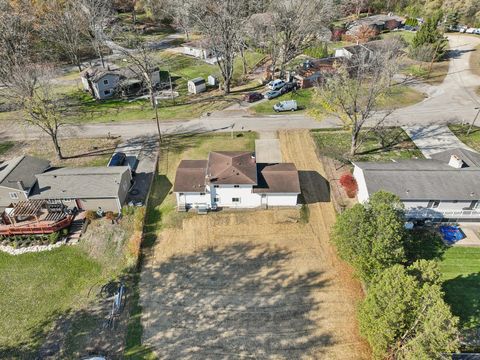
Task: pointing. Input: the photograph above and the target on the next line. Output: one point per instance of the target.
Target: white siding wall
(282, 199)
(198, 53)
(362, 194)
(193, 199)
(226, 193)
(100, 87)
(443, 206)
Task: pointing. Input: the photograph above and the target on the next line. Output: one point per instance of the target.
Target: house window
(13, 195)
(105, 82)
(235, 200)
(433, 204)
(106, 92)
(180, 194)
(202, 193)
(216, 199)
(215, 186)
(236, 186)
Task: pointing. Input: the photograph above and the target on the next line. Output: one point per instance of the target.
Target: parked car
(272, 94)
(252, 97)
(289, 86)
(276, 84)
(287, 105)
(470, 30)
(117, 159)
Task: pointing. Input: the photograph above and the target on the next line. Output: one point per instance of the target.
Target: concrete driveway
(431, 139)
(455, 99)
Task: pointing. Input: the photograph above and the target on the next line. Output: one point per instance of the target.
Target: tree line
(403, 315)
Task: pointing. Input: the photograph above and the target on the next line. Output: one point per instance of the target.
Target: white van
(287, 105)
(276, 84)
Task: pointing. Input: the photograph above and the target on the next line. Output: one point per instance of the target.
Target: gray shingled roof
(422, 180)
(470, 158)
(22, 168)
(88, 182)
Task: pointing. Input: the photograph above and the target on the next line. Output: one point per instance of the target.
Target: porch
(35, 217)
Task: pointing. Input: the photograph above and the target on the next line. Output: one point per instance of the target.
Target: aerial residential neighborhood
(215, 179)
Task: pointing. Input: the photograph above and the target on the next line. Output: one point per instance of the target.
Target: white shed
(196, 85)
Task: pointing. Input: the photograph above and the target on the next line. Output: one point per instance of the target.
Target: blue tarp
(451, 233)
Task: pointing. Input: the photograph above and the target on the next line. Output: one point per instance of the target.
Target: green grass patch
(391, 143)
(400, 96)
(6, 146)
(472, 140)
(432, 74)
(36, 288)
(475, 61)
(303, 97)
(460, 267)
(405, 35)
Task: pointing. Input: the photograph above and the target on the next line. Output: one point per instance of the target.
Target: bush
(349, 183)
(133, 247)
(53, 237)
(90, 215)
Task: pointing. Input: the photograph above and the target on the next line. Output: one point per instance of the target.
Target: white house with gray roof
(447, 186)
(88, 188)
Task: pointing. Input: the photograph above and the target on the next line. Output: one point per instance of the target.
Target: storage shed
(196, 85)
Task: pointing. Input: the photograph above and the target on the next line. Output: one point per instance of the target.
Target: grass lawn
(406, 35)
(36, 288)
(336, 144)
(421, 70)
(460, 267)
(303, 96)
(401, 96)
(161, 206)
(77, 151)
(472, 140)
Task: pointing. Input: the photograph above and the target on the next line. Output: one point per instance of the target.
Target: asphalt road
(452, 101)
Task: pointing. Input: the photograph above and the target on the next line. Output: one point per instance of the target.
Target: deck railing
(36, 228)
(439, 214)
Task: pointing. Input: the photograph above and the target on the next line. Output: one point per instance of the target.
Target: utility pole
(171, 87)
(157, 119)
(473, 123)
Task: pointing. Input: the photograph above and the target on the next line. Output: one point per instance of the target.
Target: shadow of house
(311, 180)
(234, 301)
(463, 295)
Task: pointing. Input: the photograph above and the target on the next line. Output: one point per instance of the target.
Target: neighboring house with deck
(17, 178)
(88, 188)
(447, 186)
(235, 180)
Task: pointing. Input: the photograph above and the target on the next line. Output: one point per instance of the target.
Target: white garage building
(235, 180)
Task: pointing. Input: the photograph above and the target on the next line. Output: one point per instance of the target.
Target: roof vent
(455, 162)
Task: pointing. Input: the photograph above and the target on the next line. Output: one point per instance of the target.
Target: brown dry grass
(78, 151)
(254, 283)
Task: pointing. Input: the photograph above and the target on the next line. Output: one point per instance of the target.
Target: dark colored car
(288, 87)
(252, 97)
(117, 159)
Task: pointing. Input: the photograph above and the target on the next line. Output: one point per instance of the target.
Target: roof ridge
(14, 163)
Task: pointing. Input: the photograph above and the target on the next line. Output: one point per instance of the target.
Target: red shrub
(349, 183)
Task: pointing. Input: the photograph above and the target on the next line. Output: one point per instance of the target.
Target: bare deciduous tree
(95, 14)
(64, 28)
(354, 91)
(299, 23)
(221, 21)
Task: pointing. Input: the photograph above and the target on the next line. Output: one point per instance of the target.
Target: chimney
(455, 162)
(20, 185)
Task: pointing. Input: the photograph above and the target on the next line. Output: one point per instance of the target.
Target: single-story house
(17, 178)
(310, 73)
(378, 23)
(197, 85)
(200, 49)
(447, 186)
(353, 50)
(105, 83)
(88, 188)
(235, 180)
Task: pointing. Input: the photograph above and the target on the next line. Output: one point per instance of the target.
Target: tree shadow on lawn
(237, 300)
(424, 243)
(463, 295)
